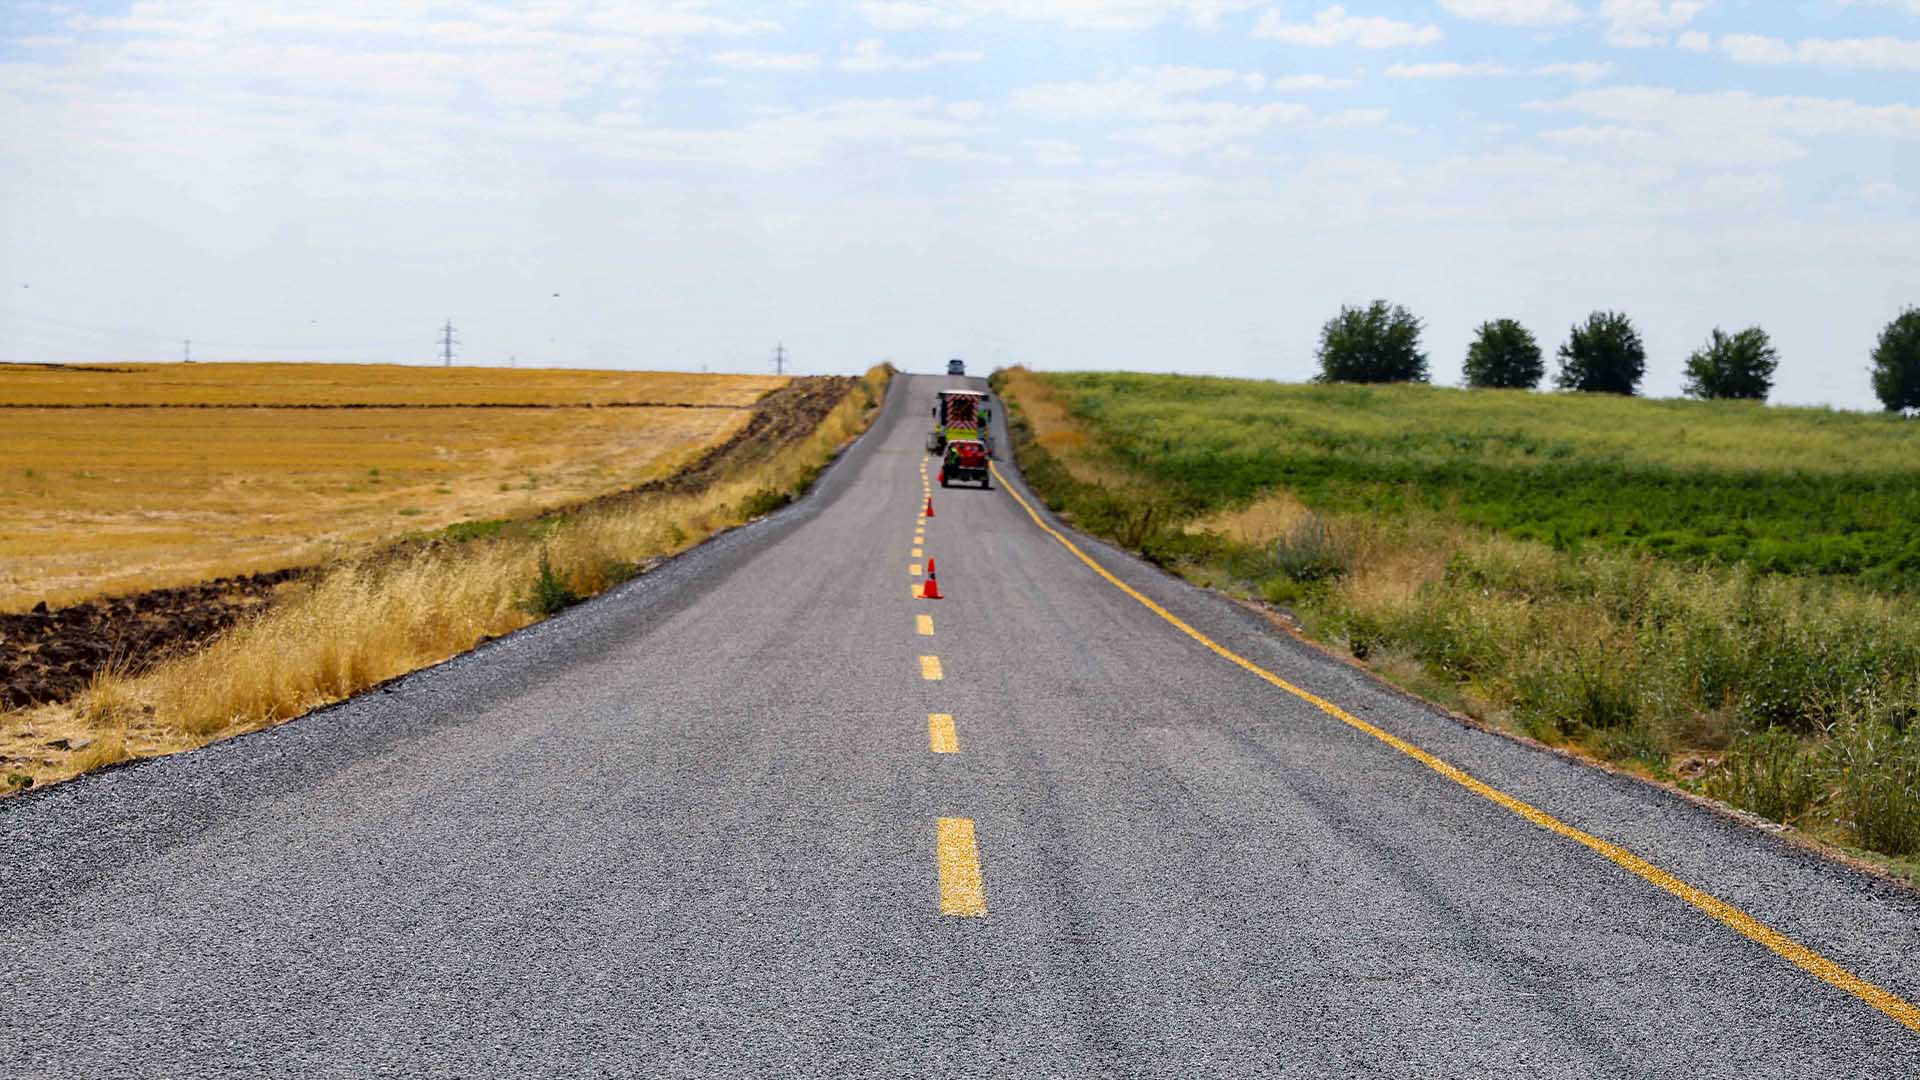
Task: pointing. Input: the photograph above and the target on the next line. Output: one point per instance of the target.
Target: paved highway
(763, 812)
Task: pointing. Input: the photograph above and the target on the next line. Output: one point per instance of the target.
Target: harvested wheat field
(555, 502)
(125, 479)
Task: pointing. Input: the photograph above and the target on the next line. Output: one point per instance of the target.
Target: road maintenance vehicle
(965, 462)
(960, 414)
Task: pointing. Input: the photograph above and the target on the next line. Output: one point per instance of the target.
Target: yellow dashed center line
(914, 569)
(940, 736)
(1733, 918)
(961, 891)
(923, 624)
(916, 553)
(930, 669)
(918, 589)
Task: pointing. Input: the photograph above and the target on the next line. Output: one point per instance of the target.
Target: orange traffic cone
(931, 591)
(928, 512)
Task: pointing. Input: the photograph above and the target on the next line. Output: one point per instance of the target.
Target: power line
(447, 342)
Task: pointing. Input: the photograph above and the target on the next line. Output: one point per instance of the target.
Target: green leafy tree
(1733, 366)
(1896, 363)
(1603, 356)
(1504, 356)
(1375, 344)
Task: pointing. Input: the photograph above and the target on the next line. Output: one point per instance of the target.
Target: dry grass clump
(1053, 430)
(365, 622)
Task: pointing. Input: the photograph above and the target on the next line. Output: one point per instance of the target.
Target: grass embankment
(120, 480)
(1716, 594)
(367, 621)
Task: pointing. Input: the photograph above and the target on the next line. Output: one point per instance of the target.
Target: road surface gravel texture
(692, 828)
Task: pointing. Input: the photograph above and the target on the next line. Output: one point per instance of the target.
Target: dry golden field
(108, 500)
(364, 384)
(363, 621)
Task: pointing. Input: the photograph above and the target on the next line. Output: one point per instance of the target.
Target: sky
(1158, 185)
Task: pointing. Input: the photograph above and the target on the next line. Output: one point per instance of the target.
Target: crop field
(125, 479)
(364, 384)
(1713, 594)
(195, 491)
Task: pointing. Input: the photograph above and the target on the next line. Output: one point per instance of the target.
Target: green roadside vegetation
(1714, 593)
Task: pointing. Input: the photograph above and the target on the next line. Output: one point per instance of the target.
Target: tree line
(1380, 343)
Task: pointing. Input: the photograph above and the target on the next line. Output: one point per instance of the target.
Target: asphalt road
(693, 829)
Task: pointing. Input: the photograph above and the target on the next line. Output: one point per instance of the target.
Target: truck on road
(965, 462)
(960, 414)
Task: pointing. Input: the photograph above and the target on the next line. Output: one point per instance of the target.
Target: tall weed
(1769, 773)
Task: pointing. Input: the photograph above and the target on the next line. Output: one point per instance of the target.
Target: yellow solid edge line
(930, 668)
(961, 891)
(940, 734)
(924, 624)
(1806, 959)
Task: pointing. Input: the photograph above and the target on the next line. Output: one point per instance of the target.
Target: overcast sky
(1167, 185)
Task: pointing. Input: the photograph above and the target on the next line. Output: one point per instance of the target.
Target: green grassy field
(1714, 593)
(1801, 491)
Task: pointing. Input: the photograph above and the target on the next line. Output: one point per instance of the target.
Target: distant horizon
(938, 368)
(1193, 185)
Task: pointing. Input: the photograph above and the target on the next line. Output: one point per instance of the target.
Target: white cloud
(909, 16)
(1445, 70)
(563, 50)
(1170, 117)
(1191, 80)
(1583, 71)
(1640, 23)
(558, 18)
(786, 139)
(1694, 41)
(1202, 126)
(1910, 5)
(1334, 26)
(1144, 93)
(1876, 53)
(1053, 153)
(1733, 128)
(758, 61)
(1084, 14)
(1755, 49)
(957, 152)
(1356, 118)
(871, 55)
(1514, 12)
(1306, 82)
